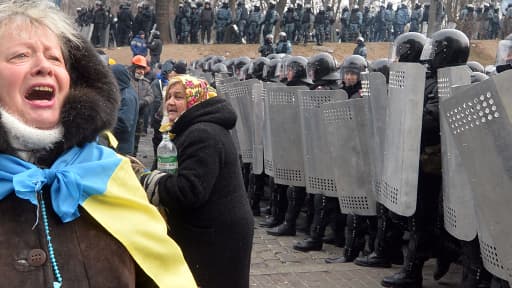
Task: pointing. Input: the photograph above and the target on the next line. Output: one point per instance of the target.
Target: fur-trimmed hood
(90, 106)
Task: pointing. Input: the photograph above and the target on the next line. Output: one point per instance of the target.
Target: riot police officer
(271, 18)
(449, 47)
(320, 23)
(360, 48)
(241, 17)
(406, 48)
(283, 46)
(268, 46)
(222, 20)
(322, 71)
(294, 69)
(356, 226)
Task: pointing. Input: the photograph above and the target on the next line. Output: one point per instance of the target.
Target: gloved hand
(137, 166)
(150, 182)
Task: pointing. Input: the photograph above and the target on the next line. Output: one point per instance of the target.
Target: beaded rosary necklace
(53, 260)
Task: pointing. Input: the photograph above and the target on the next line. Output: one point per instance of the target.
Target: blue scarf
(76, 175)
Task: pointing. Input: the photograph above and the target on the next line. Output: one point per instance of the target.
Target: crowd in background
(199, 22)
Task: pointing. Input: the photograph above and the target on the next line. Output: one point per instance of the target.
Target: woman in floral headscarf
(207, 207)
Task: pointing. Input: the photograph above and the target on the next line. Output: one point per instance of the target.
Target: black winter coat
(208, 211)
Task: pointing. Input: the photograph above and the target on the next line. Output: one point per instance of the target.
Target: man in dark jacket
(143, 88)
(155, 49)
(124, 24)
(128, 111)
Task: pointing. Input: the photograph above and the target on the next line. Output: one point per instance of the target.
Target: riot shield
(221, 79)
(491, 260)
(397, 189)
(318, 164)
(268, 162)
(240, 95)
(348, 131)
(258, 119)
(206, 76)
(375, 89)
(479, 121)
(459, 212)
(86, 31)
(285, 135)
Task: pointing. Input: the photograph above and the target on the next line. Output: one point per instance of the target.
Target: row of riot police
(106, 29)
(484, 22)
(415, 144)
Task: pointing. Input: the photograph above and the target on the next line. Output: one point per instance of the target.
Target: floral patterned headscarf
(196, 91)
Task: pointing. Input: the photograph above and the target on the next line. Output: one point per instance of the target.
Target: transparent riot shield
(398, 186)
(240, 95)
(221, 80)
(86, 31)
(479, 121)
(268, 162)
(285, 135)
(459, 212)
(258, 120)
(375, 89)
(348, 131)
(318, 164)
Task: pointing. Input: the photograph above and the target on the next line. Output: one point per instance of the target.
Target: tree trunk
(162, 19)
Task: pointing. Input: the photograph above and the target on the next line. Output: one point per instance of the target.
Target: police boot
(315, 243)
(474, 274)
(410, 276)
(354, 241)
(378, 258)
(256, 186)
(296, 196)
(448, 252)
(338, 227)
(279, 204)
(474, 277)
(499, 283)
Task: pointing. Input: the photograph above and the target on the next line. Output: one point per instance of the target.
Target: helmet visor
(428, 51)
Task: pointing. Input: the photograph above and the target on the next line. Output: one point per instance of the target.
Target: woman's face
(33, 76)
(176, 103)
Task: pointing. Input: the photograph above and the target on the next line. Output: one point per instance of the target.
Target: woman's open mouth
(41, 95)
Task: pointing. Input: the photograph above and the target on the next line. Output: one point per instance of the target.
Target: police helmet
(322, 66)
(219, 68)
(269, 70)
(475, 66)
(295, 68)
(382, 66)
(408, 47)
(245, 72)
(354, 64)
(282, 36)
(446, 48)
(167, 68)
(229, 65)
(275, 56)
(257, 66)
(239, 63)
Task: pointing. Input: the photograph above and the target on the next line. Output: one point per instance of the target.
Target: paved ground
(276, 265)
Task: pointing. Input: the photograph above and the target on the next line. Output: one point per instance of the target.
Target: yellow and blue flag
(104, 184)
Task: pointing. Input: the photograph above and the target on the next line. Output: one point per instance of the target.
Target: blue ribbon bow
(76, 175)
